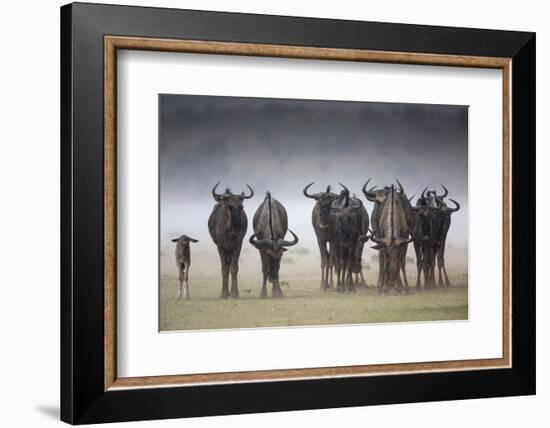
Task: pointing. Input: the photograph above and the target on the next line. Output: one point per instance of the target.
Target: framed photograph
(265, 213)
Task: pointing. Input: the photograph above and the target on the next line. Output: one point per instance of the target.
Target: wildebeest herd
(342, 227)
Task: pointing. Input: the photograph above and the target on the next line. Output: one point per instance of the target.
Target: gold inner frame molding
(113, 43)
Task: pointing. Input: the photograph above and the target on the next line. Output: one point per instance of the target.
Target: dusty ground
(303, 304)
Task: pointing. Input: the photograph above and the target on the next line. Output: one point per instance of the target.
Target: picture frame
(91, 391)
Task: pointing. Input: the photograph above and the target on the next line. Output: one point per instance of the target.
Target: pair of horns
(368, 193)
(316, 195)
(440, 196)
(185, 238)
(221, 196)
(386, 241)
(278, 242)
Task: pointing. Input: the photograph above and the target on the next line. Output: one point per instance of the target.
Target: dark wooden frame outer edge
(84, 398)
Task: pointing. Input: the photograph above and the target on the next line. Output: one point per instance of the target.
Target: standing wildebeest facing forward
(323, 226)
(348, 233)
(426, 241)
(183, 260)
(227, 226)
(270, 225)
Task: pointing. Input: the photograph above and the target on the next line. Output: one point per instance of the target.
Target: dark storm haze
(281, 145)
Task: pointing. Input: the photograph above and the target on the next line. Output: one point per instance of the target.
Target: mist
(281, 145)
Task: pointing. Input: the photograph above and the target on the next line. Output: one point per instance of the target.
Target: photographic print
(290, 212)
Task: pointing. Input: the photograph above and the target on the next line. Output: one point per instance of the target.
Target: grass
(303, 304)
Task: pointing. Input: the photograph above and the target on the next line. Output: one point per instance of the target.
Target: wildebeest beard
(425, 224)
(236, 219)
(324, 214)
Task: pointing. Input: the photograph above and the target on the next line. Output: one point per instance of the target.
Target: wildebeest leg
(186, 278)
(265, 274)
(363, 278)
(276, 291)
(381, 271)
(330, 266)
(439, 259)
(399, 282)
(340, 272)
(441, 262)
(403, 260)
(180, 270)
(224, 259)
(418, 252)
(324, 264)
(234, 272)
(351, 285)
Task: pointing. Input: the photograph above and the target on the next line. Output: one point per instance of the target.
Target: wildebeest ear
(283, 249)
(193, 240)
(377, 247)
(175, 240)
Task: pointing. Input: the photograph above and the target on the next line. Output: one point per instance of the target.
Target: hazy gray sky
(281, 145)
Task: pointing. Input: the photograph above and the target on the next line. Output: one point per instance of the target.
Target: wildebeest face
(233, 205)
(274, 249)
(325, 202)
(274, 256)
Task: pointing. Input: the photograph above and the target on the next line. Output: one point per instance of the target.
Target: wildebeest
(411, 220)
(425, 238)
(270, 225)
(443, 223)
(378, 198)
(323, 226)
(183, 261)
(347, 233)
(391, 235)
(227, 225)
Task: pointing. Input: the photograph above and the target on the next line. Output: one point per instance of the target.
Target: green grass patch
(303, 304)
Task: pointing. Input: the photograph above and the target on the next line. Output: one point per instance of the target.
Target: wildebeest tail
(268, 197)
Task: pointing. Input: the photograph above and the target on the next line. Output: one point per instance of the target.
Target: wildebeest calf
(183, 260)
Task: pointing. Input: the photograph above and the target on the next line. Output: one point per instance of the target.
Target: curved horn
(378, 241)
(364, 188)
(307, 195)
(411, 198)
(216, 195)
(363, 238)
(457, 206)
(401, 189)
(446, 192)
(344, 187)
(424, 192)
(289, 243)
(366, 183)
(366, 192)
(400, 241)
(251, 193)
(258, 242)
(360, 203)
